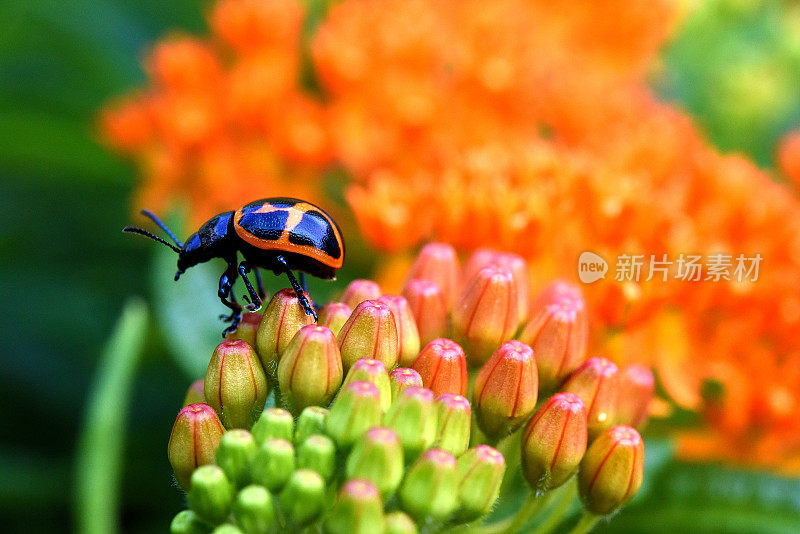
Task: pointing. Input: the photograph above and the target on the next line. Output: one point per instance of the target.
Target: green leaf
(99, 457)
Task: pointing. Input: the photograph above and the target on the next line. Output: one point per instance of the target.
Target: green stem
(99, 452)
(566, 495)
(587, 522)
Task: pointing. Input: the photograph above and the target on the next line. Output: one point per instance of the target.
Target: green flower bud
(378, 458)
(211, 494)
(235, 454)
(407, 332)
(303, 499)
(195, 394)
(194, 440)
(187, 522)
(283, 318)
(358, 510)
(453, 423)
(227, 529)
(248, 327)
(374, 372)
(334, 315)
(318, 453)
(235, 384)
(413, 417)
(554, 442)
(273, 423)
(430, 487)
(310, 422)
(273, 464)
(480, 473)
(358, 291)
(400, 523)
(310, 370)
(253, 510)
(356, 409)
(370, 331)
(402, 378)
(611, 471)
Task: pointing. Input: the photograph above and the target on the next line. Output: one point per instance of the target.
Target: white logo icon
(591, 267)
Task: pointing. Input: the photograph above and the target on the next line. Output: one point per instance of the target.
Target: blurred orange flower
(516, 124)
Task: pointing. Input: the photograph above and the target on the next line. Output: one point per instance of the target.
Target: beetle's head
(193, 253)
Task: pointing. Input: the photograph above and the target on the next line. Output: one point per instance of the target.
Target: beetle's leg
(255, 301)
(225, 292)
(262, 293)
(302, 277)
(301, 295)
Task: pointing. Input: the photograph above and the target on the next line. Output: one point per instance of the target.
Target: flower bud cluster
(401, 400)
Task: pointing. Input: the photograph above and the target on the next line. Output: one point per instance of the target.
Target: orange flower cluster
(515, 124)
(224, 120)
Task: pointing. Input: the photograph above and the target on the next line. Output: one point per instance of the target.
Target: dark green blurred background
(67, 269)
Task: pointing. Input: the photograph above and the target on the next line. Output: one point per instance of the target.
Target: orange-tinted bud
(596, 383)
(636, 389)
(428, 307)
(374, 372)
(438, 262)
(184, 64)
(483, 257)
(487, 313)
(407, 332)
(558, 332)
(370, 332)
(194, 441)
(402, 378)
(195, 393)
(251, 25)
(248, 327)
(235, 384)
(506, 389)
(443, 367)
(360, 290)
(310, 370)
(554, 442)
(612, 469)
(283, 318)
(334, 315)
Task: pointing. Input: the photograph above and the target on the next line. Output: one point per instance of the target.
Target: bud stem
(586, 523)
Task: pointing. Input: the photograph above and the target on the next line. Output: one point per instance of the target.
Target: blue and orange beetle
(280, 234)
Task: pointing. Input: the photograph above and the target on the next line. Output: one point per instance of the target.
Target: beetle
(280, 234)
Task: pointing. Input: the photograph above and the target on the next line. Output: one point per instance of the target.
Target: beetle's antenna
(151, 236)
(152, 216)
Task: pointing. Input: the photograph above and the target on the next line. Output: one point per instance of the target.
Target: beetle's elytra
(281, 234)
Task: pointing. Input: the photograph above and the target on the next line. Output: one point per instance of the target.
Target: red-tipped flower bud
(310, 370)
(438, 262)
(358, 291)
(374, 372)
(453, 423)
(334, 315)
(358, 510)
(402, 378)
(356, 408)
(596, 382)
(506, 389)
(485, 256)
(235, 384)
(487, 312)
(612, 469)
(413, 416)
(430, 487)
(480, 473)
(429, 308)
(558, 332)
(636, 389)
(442, 365)
(283, 318)
(194, 441)
(407, 332)
(195, 393)
(378, 457)
(248, 327)
(370, 332)
(554, 442)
